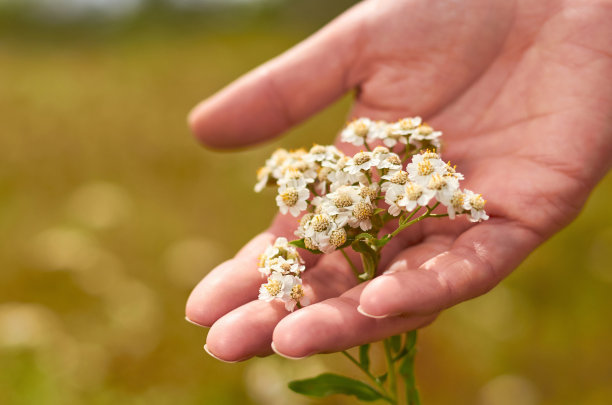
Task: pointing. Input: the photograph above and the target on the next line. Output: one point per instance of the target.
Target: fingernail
(194, 323)
(362, 312)
(390, 271)
(286, 356)
(215, 357)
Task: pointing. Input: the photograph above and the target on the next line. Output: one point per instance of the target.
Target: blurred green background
(110, 213)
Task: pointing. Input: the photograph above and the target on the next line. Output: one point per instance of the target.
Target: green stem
(412, 394)
(406, 223)
(375, 380)
(367, 146)
(391, 369)
(350, 262)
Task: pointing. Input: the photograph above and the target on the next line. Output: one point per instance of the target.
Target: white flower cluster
(282, 265)
(342, 197)
(428, 178)
(407, 131)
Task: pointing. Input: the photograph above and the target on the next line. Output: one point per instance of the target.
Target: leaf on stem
(300, 243)
(330, 384)
(364, 356)
(396, 343)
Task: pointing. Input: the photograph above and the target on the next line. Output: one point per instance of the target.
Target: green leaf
(411, 338)
(300, 243)
(396, 343)
(382, 378)
(364, 356)
(364, 235)
(330, 384)
(383, 241)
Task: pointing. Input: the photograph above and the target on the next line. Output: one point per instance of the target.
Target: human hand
(521, 91)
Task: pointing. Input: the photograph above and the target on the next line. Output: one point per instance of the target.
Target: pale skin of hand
(521, 90)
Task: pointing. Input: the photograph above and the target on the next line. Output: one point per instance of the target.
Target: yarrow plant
(346, 202)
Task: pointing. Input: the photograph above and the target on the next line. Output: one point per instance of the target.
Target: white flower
(280, 249)
(425, 133)
(407, 126)
(338, 177)
(294, 178)
(392, 198)
(400, 131)
(295, 161)
(361, 215)
(455, 205)
(284, 266)
(415, 195)
(263, 176)
(390, 136)
(395, 179)
(278, 286)
(292, 199)
(391, 162)
(297, 295)
(423, 167)
(340, 203)
(320, 153)
(475, 204)
(323, 230)
(357, 131)
(276, 162)
(361, 161)
(444, 187)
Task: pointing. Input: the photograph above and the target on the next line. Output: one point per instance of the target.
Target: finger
(336, 324)
(247, 330)
(236, 281)
(282, 92)
(468, 267)
(351, 328)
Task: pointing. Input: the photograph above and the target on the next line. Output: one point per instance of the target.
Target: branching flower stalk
(360, 202)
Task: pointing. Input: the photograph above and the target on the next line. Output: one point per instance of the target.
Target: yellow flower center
(337, 237)
(477, 202)
(317, 150)
(273, 287)
(425, 168)
(425, 129)
(361, 158)
(406, 124)
(309, 243)
(320, 223)
(429, 154)
(413, 191)
(363, 210)
(457, 200)
(400, 177)
(343, 200)
(305, 219)
(394, 160)
(365, 192)
(290, 196)
(297, 292)
(360, 129)
(437, 182)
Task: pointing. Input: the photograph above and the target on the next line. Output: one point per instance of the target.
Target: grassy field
(110, 213)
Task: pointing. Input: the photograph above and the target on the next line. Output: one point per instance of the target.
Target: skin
(522, 92)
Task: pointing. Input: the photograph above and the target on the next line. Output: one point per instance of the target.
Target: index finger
(281, 92)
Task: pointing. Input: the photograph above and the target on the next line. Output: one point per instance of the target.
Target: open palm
(522, 92)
